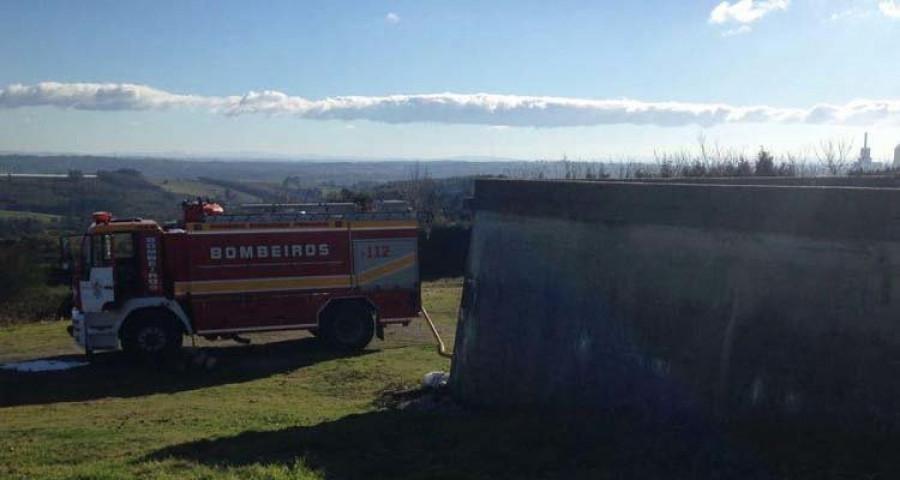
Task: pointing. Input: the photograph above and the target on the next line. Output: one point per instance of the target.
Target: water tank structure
(674, 297)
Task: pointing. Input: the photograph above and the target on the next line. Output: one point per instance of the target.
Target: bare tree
(797, 162)
(834, 155)
(765, 164)
(704, 151)
(665, 165)
(418, 189)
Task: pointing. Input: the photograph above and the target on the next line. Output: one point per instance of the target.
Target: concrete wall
(871, 181)
(681, 297)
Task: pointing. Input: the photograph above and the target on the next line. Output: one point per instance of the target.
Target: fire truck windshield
(104, 248)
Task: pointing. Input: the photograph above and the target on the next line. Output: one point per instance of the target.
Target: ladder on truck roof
(305, 212)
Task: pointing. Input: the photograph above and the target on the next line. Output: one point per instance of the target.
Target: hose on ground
(441, 348)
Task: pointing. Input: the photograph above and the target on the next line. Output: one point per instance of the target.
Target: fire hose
(441, 348)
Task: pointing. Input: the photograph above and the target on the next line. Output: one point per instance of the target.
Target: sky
(591, 80)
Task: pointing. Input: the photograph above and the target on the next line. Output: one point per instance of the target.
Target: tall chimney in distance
(865, 155)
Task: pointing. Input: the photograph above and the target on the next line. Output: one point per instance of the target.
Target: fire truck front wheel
(348, 327)
(151, 334)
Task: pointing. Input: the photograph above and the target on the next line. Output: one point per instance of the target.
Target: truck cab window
(124, 246)
(101, 251)
(126, 264)
(86, 254)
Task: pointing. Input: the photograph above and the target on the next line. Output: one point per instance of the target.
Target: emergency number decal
(377, 251)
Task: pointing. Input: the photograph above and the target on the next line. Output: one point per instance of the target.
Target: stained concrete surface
(681, 298)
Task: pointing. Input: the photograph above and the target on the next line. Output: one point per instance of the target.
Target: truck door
(126, 270)
(97, 286)
(112, 273)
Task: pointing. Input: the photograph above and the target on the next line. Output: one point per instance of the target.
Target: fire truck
(342, 271)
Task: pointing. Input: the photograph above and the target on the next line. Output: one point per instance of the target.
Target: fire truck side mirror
(70, 253)
(65, 254)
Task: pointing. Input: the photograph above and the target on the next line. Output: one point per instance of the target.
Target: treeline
(313, 172)
(31, 287)
(830, 157)
(763, 165)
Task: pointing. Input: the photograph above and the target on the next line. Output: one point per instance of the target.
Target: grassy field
(192, 188)
(283, 408)
(44, 217)
(116, 420)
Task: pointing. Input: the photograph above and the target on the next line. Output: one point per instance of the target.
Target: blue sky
(788, 56)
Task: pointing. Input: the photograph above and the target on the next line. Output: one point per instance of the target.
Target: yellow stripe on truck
(278, 284)
(386, 269)
(376, 224)
(215, 287)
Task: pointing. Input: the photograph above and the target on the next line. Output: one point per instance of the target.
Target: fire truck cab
(339, 270)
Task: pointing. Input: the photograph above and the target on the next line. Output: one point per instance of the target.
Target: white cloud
(852, 14)
(889, 8)
(743, 29)
(392, 17)
(745, 11)
(446, 108)
(842, 15)
(103, 96)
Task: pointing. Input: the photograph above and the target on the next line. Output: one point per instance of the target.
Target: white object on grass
(435, 379)
(42, 365)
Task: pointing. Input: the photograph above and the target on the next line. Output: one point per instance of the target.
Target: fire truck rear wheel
(151, 335)
(348, 328)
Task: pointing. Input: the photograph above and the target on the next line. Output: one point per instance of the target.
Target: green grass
(44, 217)
(283, 408)
(115, 420)
(34, 340)
(193, 188)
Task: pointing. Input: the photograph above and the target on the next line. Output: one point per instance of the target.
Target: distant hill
(338, 173)
(124, 191)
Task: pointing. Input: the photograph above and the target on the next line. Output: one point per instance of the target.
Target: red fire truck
(339, 270)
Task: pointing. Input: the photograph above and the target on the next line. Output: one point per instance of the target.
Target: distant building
(865, 162)
(865, 154)
(897, 156)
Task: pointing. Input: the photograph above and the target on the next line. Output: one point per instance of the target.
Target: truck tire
(348, 328)
(151, 335)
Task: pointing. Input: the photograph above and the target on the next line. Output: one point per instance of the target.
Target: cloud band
(444, 108)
